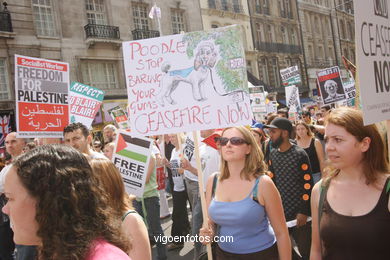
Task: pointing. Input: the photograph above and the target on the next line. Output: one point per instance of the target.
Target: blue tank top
(246, 221)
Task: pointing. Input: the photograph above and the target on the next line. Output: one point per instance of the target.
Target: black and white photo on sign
(331, 86)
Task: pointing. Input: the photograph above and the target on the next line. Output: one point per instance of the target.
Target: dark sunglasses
(234, 140)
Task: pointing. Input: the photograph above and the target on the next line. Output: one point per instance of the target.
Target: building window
(266, 7)
(236, 6)
(328, 28)
(260, 33)
(342, 29)
(4, 91)
(284, 35)
(331, 54)
(178, 24)
(311, 53)
(100, 74)
(263, 69)
(288, 62)
(257, 6)
(307, 23)
(351, 32)
(224, 5)
(317, 25)
(293, 37)
(44, 17)
(270, 33)
(96, 13)
(249, 66)
(140, 16)
(212, 4)
(275, 72)
(321, 52)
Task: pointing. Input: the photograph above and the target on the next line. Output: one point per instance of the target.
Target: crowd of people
(316, 188)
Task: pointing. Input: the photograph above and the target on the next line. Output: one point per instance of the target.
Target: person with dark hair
(306, 117)
(55, 203)
(14, 147)
(313, 147)
(283, 112)
(290, 169)
(29, 146)
(77, 135)
(351, 206)
(133, 226)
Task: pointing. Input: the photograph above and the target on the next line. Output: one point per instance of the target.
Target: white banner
(373, 65)
(292, 98)
(187, 82)
(131, 157)
(41, 91)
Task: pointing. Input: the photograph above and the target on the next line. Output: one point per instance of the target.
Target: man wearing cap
(290, 169)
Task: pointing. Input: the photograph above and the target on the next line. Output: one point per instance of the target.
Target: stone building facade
(275, 30)
(219, 13)
(327, 28)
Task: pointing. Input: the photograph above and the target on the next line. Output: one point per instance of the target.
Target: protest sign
(271, 106)
(41, 91)
(184, 82)
(109, 104)
(331, 86)
(120, 117)
(290, 76)
(350, 92)
(84, 103)
(257, 96)
(372, 52)
(131, 157)
(5, 127)
(292, 99)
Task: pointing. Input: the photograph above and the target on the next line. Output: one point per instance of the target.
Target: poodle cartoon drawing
(195, 76)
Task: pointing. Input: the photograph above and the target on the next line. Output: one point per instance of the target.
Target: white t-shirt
(2, 177)
(178, 180)
(210, 159)
(96, 155)
(189, 154)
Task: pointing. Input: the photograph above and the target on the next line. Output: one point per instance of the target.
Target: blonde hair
(254, 161)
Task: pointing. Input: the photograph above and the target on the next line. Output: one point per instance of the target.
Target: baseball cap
(280, 123)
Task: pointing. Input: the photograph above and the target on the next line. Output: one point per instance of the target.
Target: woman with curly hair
(55, 203)
(133, 225)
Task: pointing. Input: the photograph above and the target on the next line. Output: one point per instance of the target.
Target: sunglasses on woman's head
(234, 141)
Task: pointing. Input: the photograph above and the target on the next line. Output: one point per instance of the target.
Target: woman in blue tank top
(245, 208)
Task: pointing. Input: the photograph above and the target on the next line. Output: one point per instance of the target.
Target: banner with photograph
(41, 91)
(331, 86)
(131, 157)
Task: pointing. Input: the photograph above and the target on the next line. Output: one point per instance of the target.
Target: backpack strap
(215, 180)
(255, 189)
(324, 185)
(127, 213)
(388, 185)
